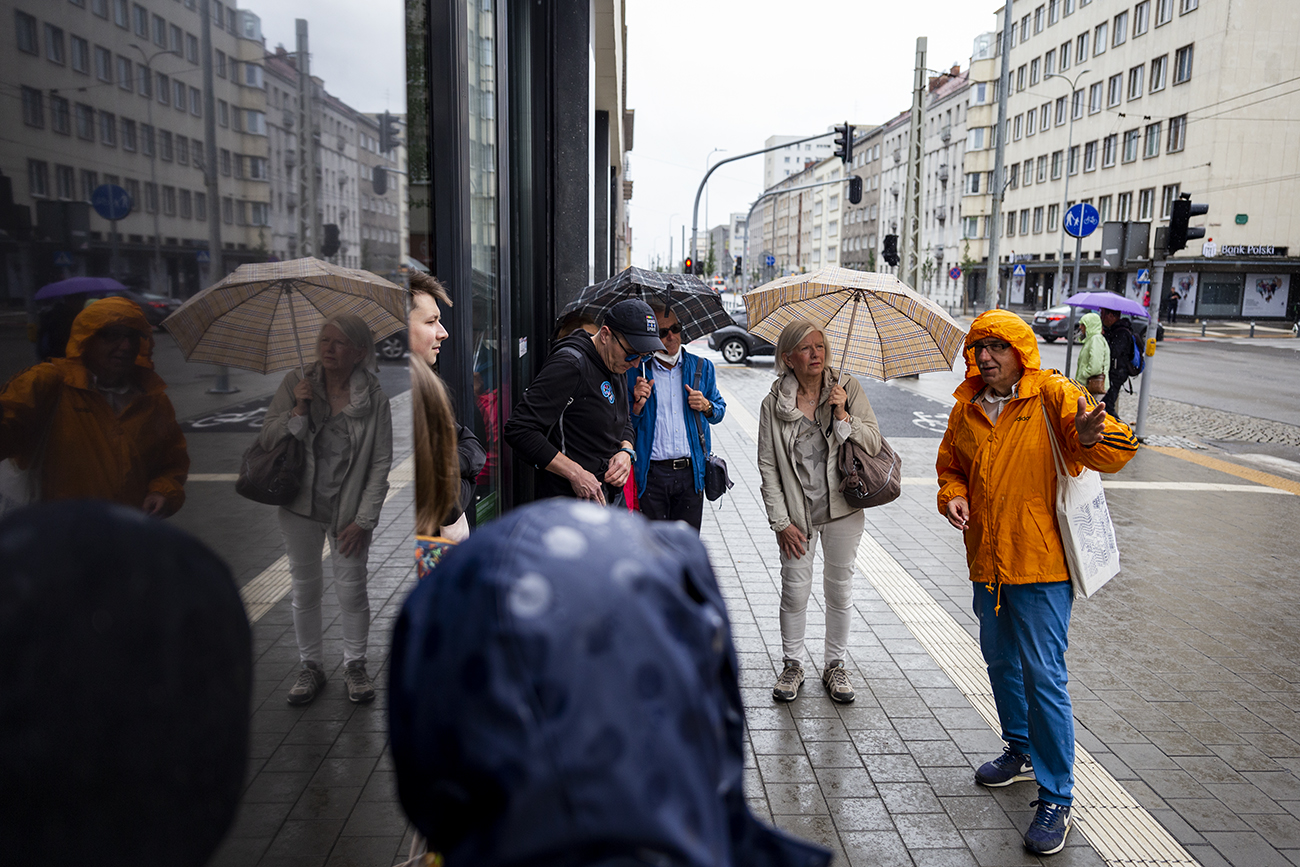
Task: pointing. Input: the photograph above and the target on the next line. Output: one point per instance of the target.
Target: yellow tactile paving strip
(1258, 476)
(268, 588)
(1116, 825)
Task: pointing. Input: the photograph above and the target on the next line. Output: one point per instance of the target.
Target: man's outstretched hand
(1090, 425)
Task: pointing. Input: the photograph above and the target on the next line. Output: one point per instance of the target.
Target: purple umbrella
(1107, 301)
(75, 285)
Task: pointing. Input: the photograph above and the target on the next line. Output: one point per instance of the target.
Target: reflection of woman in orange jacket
(998, 485)
(98, 423)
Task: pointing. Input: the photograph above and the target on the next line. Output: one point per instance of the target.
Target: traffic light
(699, 268)
(689, 266)
(1180, 213)
(388, 133)
(855, 190)
(844, 142)
(890, 251)
(736, 273)
(380, 180)
(330, 245)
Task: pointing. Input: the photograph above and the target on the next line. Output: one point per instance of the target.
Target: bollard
(1252, 329)
(222, 385)
(1202, 327)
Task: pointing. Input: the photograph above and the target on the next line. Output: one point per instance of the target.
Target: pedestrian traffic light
(689, 266)
(388, 132)
(890, 251)
(855, 190)
(844, 142)
(330, 245)
(739, 266)
(1179, 233)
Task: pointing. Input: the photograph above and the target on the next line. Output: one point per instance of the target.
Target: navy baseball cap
(634, 319)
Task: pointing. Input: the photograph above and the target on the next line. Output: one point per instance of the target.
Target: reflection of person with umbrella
(339, 413)
(98, 423)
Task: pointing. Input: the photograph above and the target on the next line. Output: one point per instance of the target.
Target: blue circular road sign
(769, 261)
(111, 202)
(1081, 220)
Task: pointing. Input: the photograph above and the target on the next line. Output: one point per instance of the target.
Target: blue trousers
(1024, 647)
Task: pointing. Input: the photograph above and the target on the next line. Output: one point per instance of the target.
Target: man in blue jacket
(672, 397)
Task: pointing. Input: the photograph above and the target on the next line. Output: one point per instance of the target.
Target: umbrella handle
(844, 353)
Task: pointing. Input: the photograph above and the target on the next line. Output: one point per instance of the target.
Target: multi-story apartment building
(859, 247)
(977, 166)
(1136, 103)
(943, 144)
(800, 229)
(893, 180)
(111, 92)
(790, 160)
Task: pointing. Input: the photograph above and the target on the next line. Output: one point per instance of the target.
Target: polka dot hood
(564, 692)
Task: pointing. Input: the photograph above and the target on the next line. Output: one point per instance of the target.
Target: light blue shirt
(671, 435)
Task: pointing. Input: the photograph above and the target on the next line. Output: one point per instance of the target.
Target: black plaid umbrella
(698, 308)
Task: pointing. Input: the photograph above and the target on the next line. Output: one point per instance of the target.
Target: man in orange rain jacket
(97, 424)
(997, 484)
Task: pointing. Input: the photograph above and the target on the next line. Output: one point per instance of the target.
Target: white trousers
(303, 541)
(840, 539)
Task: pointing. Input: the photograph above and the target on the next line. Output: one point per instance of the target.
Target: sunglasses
(632, 355)
(675, 328)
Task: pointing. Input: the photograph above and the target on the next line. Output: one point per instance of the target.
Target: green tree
(710, 261)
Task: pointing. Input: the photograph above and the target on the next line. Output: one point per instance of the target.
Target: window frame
(1168, 195)
(1181, 75)
(1136, 81)
(1159, 73)
(1058, 164)
(1151, 138)
(1119, 29)
(1115, 90)
(1096, 97)
(1090, 155)
(1132, 145)
(27, 33)
(1164, 12)
(1053, 216)
(60, 115)
(1073, 160)
(1141, 18)
(1100, 37)
(1178, 130)
(1146, 204)
(1109, 150)
(1123, 205)
(33, 107)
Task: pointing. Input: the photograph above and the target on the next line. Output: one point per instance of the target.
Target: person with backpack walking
(1118, 331)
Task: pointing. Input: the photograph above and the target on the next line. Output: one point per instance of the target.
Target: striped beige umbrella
(259, 317)
(872, 323)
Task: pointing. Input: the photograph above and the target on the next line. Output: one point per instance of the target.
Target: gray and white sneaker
(836, 681)
(360, 689)
(310, 680)
(787, 685)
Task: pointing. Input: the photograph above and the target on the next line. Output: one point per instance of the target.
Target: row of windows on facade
(133, 137)
(132, 16)
(1141, 142)
(1050, 13)
(1113, 89)
(75, 50)
(172, 202)
(1033, 220)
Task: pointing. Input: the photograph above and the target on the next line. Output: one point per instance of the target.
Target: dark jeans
(670, 494)
(1112, 395)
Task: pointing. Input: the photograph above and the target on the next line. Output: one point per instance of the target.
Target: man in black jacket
(1118, 332)
(572, 423)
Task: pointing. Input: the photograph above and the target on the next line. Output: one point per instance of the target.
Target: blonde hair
(433, 430)
(791, 336)
(358, 333)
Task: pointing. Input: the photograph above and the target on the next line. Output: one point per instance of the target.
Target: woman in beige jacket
(342, 417)
(805, 419)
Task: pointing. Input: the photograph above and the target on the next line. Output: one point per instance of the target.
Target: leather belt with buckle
(674, 463)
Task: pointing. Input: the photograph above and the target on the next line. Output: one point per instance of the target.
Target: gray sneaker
(360, 689)
(836, 681)
(310, 680)
(787, 685)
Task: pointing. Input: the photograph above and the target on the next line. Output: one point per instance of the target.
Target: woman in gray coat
(808, 415)
(342, 417)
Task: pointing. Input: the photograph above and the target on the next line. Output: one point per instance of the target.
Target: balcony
(288, 120)
(943, 174)
(945, 134)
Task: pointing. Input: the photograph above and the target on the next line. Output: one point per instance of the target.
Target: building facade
(111, 92)
(943, 146)
(860, 247)
(378, 212)
(1136, 104)
(792, 159)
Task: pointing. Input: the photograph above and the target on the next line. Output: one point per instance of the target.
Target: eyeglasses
(997, 347)
(632, 355)
(675, 328)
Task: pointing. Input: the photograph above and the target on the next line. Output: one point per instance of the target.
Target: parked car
(392, 347)
(735, 343)
(162, 302)
(1051, 324)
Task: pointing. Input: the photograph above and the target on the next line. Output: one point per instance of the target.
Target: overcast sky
(706, 74)
(359, 49)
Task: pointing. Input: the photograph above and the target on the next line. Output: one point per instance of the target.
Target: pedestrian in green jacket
(1094, 358)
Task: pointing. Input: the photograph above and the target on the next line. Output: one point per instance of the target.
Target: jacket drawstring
(997, 604)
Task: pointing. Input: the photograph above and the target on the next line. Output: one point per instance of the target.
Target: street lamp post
(153, 164)
(670, 241)
(708, 160)
(1065, 198)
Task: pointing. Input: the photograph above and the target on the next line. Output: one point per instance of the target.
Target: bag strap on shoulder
(699, 416)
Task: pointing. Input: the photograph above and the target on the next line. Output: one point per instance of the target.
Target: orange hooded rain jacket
(89, 451)
(1006, 471)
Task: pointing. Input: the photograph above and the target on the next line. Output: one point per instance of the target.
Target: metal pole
(1153, 328)
(216, 269)
(1069, 334)
(999, 142)
(911, 236)
(695, 212)
(113, 269)
(309, 219)
(153, 174)
(1065, 198)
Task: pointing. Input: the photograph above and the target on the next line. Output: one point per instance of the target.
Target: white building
(790, 160)
(1178, 96)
